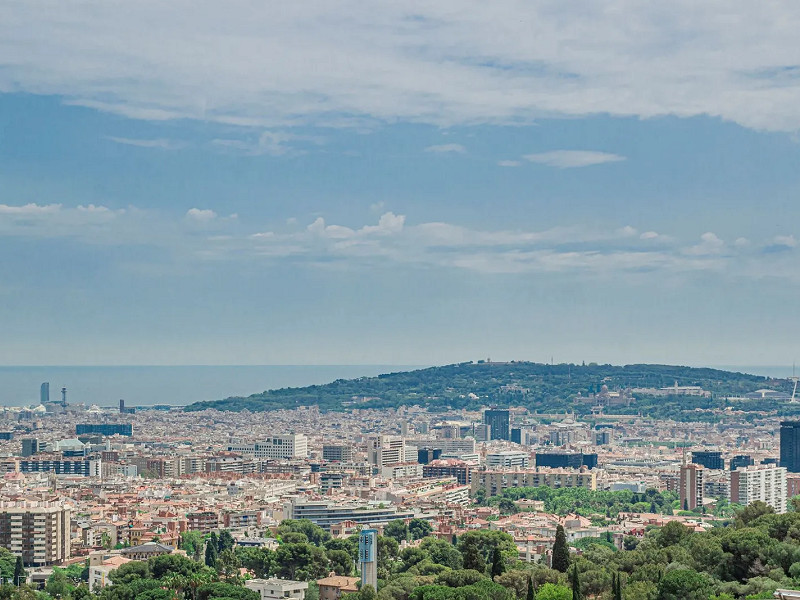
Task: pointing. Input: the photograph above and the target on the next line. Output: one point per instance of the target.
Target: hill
(536, 386)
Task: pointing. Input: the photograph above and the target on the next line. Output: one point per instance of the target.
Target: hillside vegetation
(536, 386)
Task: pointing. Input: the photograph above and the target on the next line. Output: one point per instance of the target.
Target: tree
(397, 529)
(442, 553)
(498, 566)
(419, 528)
(672, 533)
(228, 565)
(529, 594)
(225, 541)
(302, 562)
(753, 511)
(58, 585)
(19, 571)
(471, 555)
(507, 506)
(560, 551)
(211, 552)
(576, 584)
(315, 534)
(684, 584)
(552, 591)
(341, 562)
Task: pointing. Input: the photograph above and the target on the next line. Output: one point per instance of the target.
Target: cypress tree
(529, 595)
(576, 584)
(498, 565)
(472, 557)
(19, 571)
(211, 553)
(618, 592)
(560, 551)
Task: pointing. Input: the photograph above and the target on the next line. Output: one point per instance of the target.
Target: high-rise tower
(790, 446)
(367, 557)
(44, 393)
(500, 422)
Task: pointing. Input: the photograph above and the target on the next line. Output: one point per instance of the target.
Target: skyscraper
(44, 392)
(691, 486)
(367, 557)
(500, 422)
(790, 446)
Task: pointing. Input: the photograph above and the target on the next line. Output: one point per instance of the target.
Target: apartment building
(204, 521)
(764, 483)
(337, 452)
(325, 513)
(495, 482)
(691, 486)
(37, 531)
(384, 450)
(280, 446)
(507, 459)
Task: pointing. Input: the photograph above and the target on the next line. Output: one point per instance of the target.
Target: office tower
(571, 460)
(709, 459)
(37, 531)
(482, 432)
(790, 446)
(426, 455)
(741, 460)
(767, 484)
(44, 392)
(121, 406)
(404, 428)
(104, 429)
(691, 486)
(386, 450)
(30, 446)
(286, 446)
(367, 557)
(507, 459)
(500, 422)
(337, 452)
(516, 435)
(603, 437)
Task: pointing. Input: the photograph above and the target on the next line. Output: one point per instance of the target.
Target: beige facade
(494, 482)
(39, 532)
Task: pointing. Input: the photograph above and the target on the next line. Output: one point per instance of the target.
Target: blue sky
(254, 184)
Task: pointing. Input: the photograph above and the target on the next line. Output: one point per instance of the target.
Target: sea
(182, 385)
(175, 386)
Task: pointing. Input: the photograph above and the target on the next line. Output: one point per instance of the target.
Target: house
(278, 589)
(333, 586)
(145, 551)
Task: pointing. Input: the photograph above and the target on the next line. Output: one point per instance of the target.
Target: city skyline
(420, 185)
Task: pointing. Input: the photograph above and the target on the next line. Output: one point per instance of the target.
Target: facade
(386, 450)
(85, 468)
(446, 467)
(39, 532)
(691, 486)
(500, 422)
(495, 482)
(790, 446)
(509, 459)
(278, 589)
(104, 429)
(286, 446)
(368, 557)
(568, 460)
(333, 586)
(325, 514)
(767, 484)
(146, 551)
(741, 460)
(203, 521)
(427, 455)
(30, 446)
(44, 393)
(337, 452)
(709, 459)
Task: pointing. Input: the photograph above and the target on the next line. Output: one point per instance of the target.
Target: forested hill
(470, 385)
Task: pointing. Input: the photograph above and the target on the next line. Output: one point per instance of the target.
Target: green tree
(498, 565)
(441, 552)
(19, 571)
(211, 552)
(530, 591)
(258, 560)
(228, 565)
(575, 582)
(672, 533)
(396, 529)
(471, 555)
(58, 585)
(560, 551)
(552, 591)
(301, 562)
(225, 541)
(341, 562)
(315, 534)
(684, 584)
(419, 528)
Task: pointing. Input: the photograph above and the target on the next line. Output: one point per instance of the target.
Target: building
(709, 459)
(286, 446)
(38, 532)
(204, 521)
(691, 486)
(500, 422)
(603, 437)
(566, 460)
(516, 435)
(30, 446)
(83, 467)
(104, 429)
(790, 446)
(278, 589)
(445, 467)
(507, 459)
(368, 557)
(145, 551)
(482, 432)
(495, 482)
(427, 455)
(741, 460)
(337, 452)
(386, 450)
(767, 484)
(44, 393)
(333, 586)
(326, 513)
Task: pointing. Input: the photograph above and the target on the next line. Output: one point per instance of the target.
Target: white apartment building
(290, 445)
(37, 531)
(765, 483)
(508, 459)
(384, 450)
(278, 589)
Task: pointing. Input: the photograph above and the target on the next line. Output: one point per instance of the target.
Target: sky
(399, 183)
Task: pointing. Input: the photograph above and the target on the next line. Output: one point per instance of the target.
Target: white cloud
(508, 163)
(446, 149)
(28, 210)
(201, 215)
(447, 62)
(568, 159)
(161, 143)
(788, 241)
(709, 244)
